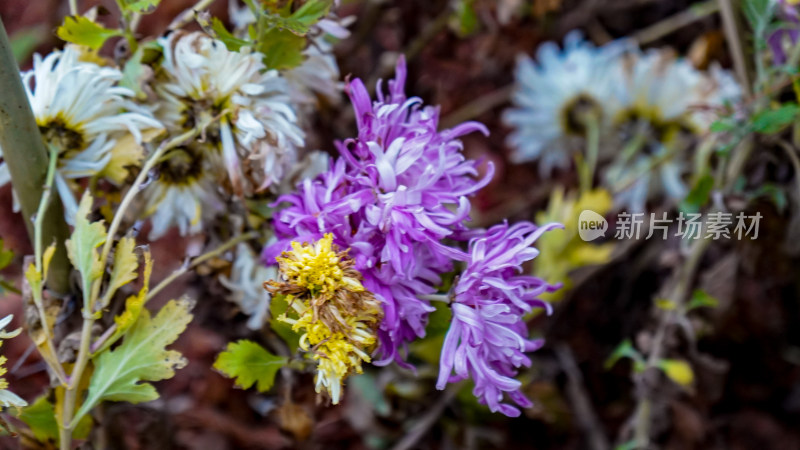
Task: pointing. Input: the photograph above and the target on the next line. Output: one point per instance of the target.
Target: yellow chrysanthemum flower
(336, 317)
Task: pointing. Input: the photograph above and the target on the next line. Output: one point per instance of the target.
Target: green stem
(36, 294)
(188, 15)
(199, 260)
(91, 293)
(26, 156)
(73, 7)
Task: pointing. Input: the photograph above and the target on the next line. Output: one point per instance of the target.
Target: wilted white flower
(185, 191)
(92, 121)
(318, 75)
(556, 96)
(661, 105)
(247, 277)
(254, 127)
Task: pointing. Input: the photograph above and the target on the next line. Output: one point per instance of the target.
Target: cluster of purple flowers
(397, 197)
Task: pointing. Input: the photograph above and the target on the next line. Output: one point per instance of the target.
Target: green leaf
(665, 304)
(82, 31)
(6, 256)
(121, 374)
(758, 14)
(82, 245)
(25, 41)
(701, 299)
(231, 42)
(250, 364)
(724, 124)
(625, 350)
(771, 121)
(125, 269)
(773, 193)
(283, 329)
(465, 19)
(136, 70)
(282, 49)
(138, 6)
(34, 278)
(698, 196)
(39, 416)
(678, 371)
(309, 14)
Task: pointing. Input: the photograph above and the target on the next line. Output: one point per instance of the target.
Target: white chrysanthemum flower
(661, 105)
(185, 191)
(93, 123)
(554, 98)
(255, 128)
(247, 277)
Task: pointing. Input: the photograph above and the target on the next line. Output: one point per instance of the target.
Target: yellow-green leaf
(665, 304)
(125, 268)
(34, 278)
(250, 364)
(678, 371)
(82, 245)
(47, 257)
(83, 31)
(122, 374)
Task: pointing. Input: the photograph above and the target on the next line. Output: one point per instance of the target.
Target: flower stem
(26, 156)
(92, 292)
(200, 260)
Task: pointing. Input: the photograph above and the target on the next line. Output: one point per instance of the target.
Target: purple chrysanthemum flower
(782, 38)
(488, 337)
(396, 193)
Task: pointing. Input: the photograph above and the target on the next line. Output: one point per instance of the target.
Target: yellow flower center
(316, 268)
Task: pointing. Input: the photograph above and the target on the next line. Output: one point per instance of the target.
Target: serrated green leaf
(125, 269)
(39, 416)
(233, 43)
(250, 363)
(282, 49)
(82, 31)
(122, 374)
(678, 371)
(700, 299)
(309, 14)
(82, 245)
